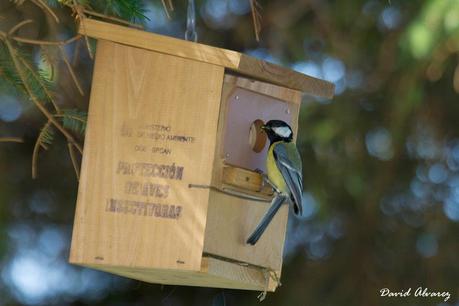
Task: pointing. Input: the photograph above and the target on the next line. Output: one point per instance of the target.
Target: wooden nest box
(167, 192)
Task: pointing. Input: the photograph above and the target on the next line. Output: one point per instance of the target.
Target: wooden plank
(229, 224)
(159, 43)
(214, 273)
(254, 277)
(278, 92)
(218, 159)
(244, 108)
(246, 180)
(147, 139)
(232, 220)
(236, 61)
(219, 178)
(282, 76)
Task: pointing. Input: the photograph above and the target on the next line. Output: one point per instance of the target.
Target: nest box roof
(231, 60)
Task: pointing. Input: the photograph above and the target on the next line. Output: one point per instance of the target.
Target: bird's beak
(264, 127)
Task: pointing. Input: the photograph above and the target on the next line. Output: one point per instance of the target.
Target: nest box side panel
(214, 273)
(151, 132)
(232, 219)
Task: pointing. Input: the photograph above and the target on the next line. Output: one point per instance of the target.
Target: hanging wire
(190, 33)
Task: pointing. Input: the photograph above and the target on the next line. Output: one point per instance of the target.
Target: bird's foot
(266, 180)
(259, 171)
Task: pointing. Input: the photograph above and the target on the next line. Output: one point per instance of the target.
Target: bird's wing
(288, 161)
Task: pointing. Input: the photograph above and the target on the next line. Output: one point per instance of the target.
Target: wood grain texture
(235, 61)
(142, 101)
(231, 220)
(282, 76)
(244, 108)
(213, 273)
(245, 179)
(278, 92)
(230, 223)
(153, 110)
(160, 43)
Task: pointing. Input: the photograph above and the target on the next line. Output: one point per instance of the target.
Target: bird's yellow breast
(274, 175)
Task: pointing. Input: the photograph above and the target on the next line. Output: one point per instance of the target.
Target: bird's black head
(278, 130)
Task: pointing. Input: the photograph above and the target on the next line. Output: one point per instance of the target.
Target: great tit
(284, 169)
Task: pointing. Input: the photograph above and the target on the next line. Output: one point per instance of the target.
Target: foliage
(129, 10)
(19, 71)
(132, 10)
(74, 120)
(46, 136)
(36, 78)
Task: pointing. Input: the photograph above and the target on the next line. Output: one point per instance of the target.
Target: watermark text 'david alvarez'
(419, 292)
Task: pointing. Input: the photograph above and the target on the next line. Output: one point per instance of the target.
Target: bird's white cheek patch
(283, 131)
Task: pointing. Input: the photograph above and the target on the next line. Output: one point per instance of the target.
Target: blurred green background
(381, 159)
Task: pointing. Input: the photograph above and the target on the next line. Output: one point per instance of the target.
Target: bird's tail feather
(275, 205)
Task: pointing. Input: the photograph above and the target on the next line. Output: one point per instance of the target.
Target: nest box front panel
(151, 132)
(246, 108)
(230, 218)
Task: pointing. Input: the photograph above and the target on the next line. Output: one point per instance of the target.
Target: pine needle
(74, 160)
(456, 79)
(11, 139)
(41, 4)
(13, 54)
(49, 60)
(78, 10)
(76, 53)
(168, 7)
(8, 72)
(132, 10)
(46, 42)
(89, 12)
(44, 139)
(256, 16)
(71, 71)
(38, 83)
(39, 79)
(19, 25)
(74, 120)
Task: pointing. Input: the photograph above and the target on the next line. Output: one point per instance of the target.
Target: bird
(284, 173)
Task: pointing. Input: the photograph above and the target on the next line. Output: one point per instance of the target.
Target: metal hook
(190, 33)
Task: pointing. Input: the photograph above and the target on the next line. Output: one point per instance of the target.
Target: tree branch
(92, 13)
(74, 160)
(46, 8)
(256, 16)
(168, 7)
(34, 99)
(38, 79)
(79, 11)
(11, 139)
(36, 149)
(45, 42)
(70, 69)
(19, 25)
